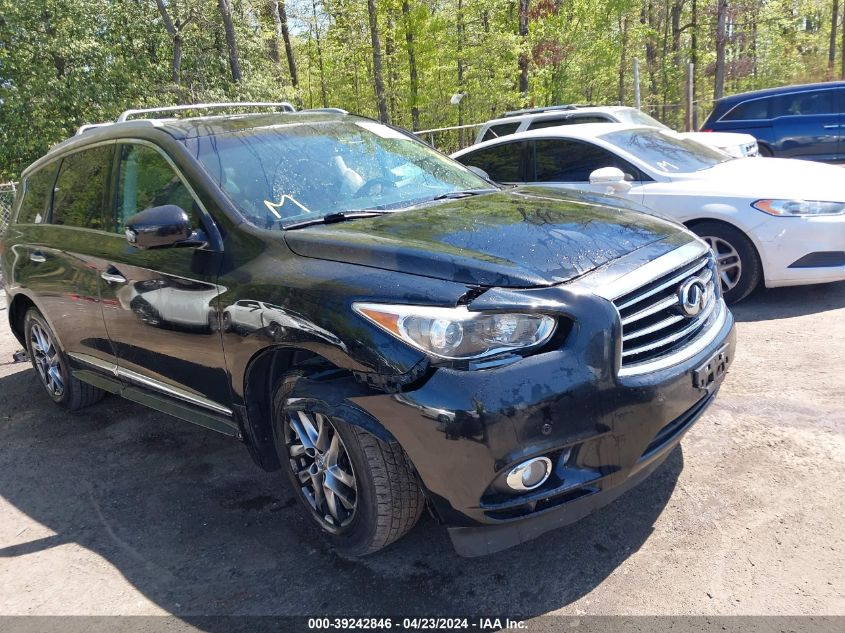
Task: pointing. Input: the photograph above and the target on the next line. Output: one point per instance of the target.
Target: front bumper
(785, 241)
(463, 430)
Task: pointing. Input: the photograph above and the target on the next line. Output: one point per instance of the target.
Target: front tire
(737, 264)
(51, 365)
(359, 490)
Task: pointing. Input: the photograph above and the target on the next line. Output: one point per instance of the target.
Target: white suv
(737, 145)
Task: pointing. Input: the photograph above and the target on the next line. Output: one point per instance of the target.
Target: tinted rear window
(36, 195)
(804, 103)
(502, 129)
(754, 110)
(570, 120)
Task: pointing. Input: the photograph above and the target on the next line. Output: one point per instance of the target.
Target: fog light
(530, 474)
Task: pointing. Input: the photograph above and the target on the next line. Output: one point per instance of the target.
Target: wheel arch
(17, 311)
(313, 378)
(690, 224)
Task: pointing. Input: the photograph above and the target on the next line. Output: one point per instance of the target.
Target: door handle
(37, 257)
(112, 278)
(832, 127)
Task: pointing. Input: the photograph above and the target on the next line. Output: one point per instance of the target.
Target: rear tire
(738, 266)
(764, 150)
(385, 498)
(52, 367)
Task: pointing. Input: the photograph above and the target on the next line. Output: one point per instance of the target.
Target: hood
(531, 236)
(775, 178)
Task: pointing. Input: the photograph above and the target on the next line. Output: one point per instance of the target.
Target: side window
(562, 160)
(502, 129)
(804, 103)
(755, 110)
(35, 195)
(147, 180)
(80, 191)
(503, 163)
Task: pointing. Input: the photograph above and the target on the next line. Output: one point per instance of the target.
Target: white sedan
(775, 220)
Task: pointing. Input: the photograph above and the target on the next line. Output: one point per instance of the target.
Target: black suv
(388, 327)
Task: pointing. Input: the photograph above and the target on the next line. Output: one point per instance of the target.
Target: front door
(160, 305)
(568, 163)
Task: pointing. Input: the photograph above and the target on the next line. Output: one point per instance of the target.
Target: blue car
(805, 121)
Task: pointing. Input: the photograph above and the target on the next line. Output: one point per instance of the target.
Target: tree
(721, 38)
(231, 41)
(175, 27)
(834, 28)
(378, 79)
(523, 54)
(413, 78)
(283, 19)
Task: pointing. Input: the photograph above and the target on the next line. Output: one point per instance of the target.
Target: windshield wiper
(333, 218)
(454, 195)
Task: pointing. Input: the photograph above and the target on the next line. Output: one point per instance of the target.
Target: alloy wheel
(728, 262)
(321, 464)
(46, 358)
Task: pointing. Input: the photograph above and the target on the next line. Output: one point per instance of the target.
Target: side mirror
(157, 227)
(479, 172)
(612, 178)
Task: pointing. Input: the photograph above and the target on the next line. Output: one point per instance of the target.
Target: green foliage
(68, 62)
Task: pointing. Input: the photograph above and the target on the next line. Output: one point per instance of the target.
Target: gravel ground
(125, 511)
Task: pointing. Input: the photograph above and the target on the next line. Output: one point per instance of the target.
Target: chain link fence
(7, 196)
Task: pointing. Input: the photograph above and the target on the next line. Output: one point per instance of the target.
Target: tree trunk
(273, 41)
(721, 36)
(461, 30)
(834, 27)
(283, 19)
(231, 42)
(412, 65)
(523, 54)
(378, 80)
(325, 100)
(174, 29)
(390, 52)
(623, 58)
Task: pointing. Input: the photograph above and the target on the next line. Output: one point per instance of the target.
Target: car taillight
(705, 130)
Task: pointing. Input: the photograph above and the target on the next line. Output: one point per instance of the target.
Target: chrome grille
(654, 322)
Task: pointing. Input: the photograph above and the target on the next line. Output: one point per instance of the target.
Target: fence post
(636, 83)
(689, 99)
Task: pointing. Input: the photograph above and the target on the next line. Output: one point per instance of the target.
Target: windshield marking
(275, 206)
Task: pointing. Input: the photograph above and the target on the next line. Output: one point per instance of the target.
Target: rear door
(160, 305)
(58, 258)
(805, 124)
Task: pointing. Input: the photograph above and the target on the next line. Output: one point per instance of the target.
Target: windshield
(638, 117)
(666, 151)
(294, 172)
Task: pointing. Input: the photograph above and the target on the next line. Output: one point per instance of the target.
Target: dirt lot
(125, 511)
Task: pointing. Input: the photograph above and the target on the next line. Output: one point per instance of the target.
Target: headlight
(457, 333)
(799, 207)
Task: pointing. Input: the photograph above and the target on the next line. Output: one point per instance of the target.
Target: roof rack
(554, 108)
(284, 105)
(327, 110)
(91, 126)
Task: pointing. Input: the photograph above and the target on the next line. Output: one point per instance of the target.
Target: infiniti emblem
(692, 296)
